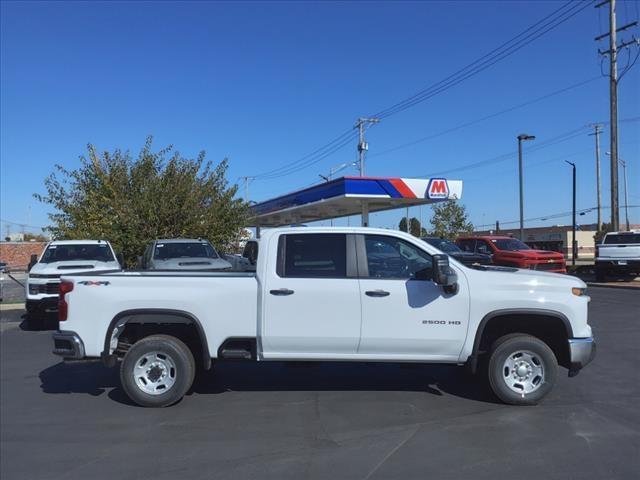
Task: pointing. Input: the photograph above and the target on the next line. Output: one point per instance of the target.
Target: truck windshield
(510, 244)
(622, 238)
(443, 245)
(165, 251)
(68, 253)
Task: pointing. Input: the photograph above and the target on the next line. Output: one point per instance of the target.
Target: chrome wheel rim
(523, 372)
(155, 373)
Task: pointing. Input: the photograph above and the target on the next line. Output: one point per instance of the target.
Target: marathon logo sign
(438, 189)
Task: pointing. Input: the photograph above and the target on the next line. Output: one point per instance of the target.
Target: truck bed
(224, 303)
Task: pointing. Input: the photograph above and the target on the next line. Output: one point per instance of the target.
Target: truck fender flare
(153, 315)
(473, 358)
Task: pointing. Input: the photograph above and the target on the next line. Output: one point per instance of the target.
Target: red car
(511, 252)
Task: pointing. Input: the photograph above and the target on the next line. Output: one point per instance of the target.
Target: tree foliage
(414, 227)
(129, 202)
(450, 219)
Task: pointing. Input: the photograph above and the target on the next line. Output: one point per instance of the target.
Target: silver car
(182, 254)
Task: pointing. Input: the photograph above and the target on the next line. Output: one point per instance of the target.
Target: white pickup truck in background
(618, 254)
(339, 294)
(60, 257)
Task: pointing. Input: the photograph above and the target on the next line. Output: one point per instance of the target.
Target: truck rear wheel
(157, 371)
(522, 369)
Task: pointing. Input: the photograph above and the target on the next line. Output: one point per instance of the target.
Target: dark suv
(451, 249)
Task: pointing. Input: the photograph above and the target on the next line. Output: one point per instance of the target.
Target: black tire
(499, 374)
(180, 369)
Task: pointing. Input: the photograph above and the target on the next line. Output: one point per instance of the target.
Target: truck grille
(548, 266)
(49, 288)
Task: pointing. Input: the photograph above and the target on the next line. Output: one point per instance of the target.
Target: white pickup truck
(619, 253)
(340, 294)
(58, 258)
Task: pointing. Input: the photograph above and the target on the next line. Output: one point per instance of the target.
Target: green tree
(450, 219)
(129, 202)
(606, 228)
(36, 237)
(414, 227)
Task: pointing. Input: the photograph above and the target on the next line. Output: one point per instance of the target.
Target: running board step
(236, 353)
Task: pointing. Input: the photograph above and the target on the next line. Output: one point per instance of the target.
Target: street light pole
(574, 244)
(522, 137)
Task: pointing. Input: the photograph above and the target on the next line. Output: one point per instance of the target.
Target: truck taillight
(63, 308)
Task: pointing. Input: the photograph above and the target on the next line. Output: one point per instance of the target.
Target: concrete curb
(614, 285)
(11, 306)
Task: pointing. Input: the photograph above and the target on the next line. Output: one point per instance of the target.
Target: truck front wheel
(522, 369)
(157, 371)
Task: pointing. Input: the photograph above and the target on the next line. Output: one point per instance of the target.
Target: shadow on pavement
(95, 379)
(32, 323)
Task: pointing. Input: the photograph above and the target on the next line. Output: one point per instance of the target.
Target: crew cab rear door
(404, 316)
(312, 297)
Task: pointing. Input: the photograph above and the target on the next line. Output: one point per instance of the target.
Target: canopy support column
(365, 213)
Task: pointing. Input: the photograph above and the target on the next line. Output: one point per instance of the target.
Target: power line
(551, 217)
(563, 137)
(501, 52)
(482, 119)
(311, 159)
(518, 42)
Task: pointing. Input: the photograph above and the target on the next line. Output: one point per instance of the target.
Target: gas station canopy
(352, 196)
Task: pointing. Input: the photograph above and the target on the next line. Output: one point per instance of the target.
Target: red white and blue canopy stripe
(347, 195)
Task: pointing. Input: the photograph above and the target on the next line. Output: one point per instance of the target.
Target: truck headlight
(579, 292)
(33, 289)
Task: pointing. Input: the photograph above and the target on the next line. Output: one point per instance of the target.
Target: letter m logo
(438, 189)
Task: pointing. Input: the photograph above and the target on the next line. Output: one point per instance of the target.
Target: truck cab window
(482, 247)
(313, 255)
(392, 258)
(466, 245)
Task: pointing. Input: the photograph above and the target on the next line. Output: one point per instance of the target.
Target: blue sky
(265, 83)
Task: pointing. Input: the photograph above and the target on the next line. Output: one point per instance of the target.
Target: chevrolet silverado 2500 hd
(619, 253)
(341, 294)
(58, 258)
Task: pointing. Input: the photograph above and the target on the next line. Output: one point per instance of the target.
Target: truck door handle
(377, 293)
(281, 292)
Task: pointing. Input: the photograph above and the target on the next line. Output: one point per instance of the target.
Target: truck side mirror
(32, 261)
(443, 274)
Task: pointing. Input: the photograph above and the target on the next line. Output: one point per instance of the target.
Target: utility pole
(246, 180)
(613, 101)
(574, 243)
(626, 198)
(522, 138)
(363, 146)
(597, 130)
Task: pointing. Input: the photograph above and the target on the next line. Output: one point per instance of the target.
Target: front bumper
(581, 351)
(68, 345)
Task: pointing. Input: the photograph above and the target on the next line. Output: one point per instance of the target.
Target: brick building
(17, 254)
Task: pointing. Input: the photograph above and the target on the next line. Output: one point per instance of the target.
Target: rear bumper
(581, 351)
(68, 345)
(616, 266)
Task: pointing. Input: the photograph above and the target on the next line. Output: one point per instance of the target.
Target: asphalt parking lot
(364, 421)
